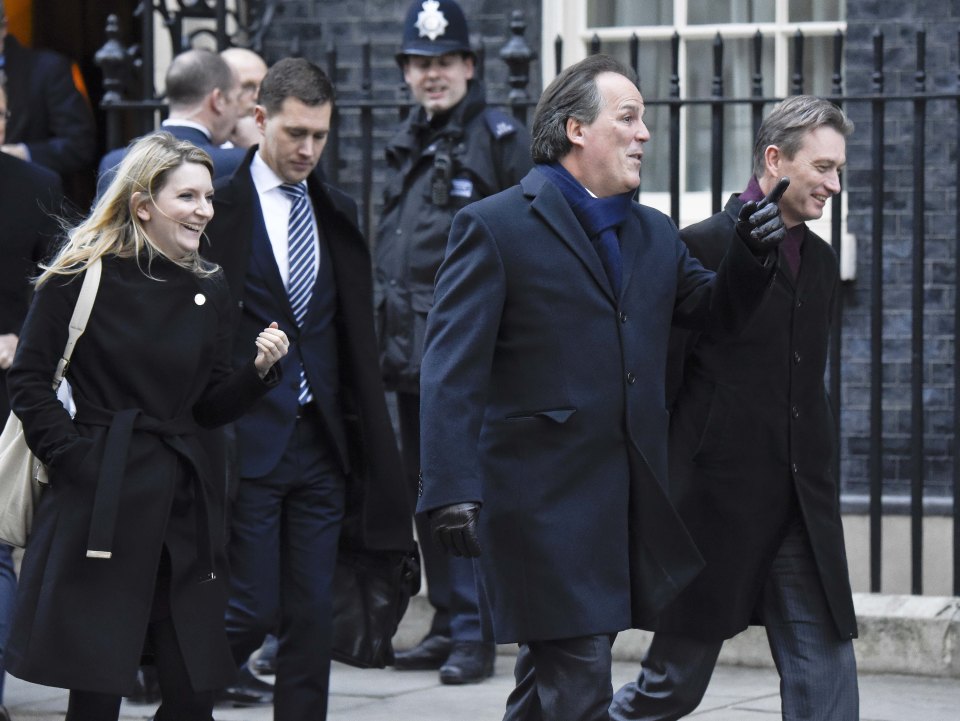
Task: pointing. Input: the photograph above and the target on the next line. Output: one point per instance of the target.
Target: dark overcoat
(752, 443)
(152, 365)
(47, 112)
(378, 510)
(543, 399)
(29, 196)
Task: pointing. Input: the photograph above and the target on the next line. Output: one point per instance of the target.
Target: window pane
(619, 13)
(817, 10)
(707, 12)
(737, 121)
(817, 65)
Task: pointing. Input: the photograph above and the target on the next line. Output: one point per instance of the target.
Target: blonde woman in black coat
(126, 549)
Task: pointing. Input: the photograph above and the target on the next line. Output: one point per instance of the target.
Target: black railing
(354, 149)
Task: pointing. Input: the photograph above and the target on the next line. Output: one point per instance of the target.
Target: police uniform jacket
(471, 152)
(542, 399)
(128, 476)
(752, 443)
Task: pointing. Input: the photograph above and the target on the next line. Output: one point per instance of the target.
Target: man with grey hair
(544, 431)
(203, 95)
(751, 447)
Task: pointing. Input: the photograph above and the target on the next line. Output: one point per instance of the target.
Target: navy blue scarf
(600, 218)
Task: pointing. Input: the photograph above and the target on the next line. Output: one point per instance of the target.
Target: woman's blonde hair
(112, 228)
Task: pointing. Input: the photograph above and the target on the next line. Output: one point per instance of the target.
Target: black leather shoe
(265, 660)
(146, 688)
(469, 662)
(428, 655)
(247, 691)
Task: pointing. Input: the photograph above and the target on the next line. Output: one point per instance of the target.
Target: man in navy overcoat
(544, 445)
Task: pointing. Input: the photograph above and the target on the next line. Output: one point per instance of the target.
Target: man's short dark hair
(194, 74)
(572, 94)
(294, 78)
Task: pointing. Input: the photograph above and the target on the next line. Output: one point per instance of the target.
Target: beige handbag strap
(81, 313)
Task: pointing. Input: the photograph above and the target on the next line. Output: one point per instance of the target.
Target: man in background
(451, 151)
(204, 99)
(50, 122)
(30, 199)
(250, 69)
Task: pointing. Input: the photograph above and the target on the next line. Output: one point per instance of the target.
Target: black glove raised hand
(761, 226)
(454, 528)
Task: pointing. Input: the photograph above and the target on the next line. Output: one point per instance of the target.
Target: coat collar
(548, 202)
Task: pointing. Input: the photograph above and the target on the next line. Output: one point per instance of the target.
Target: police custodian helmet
(434, 27)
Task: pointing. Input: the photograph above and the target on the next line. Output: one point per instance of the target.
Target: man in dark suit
(544, 422)
(29, 196)
(751, 447)
(204, 98)
(319, 454)
(50, 121)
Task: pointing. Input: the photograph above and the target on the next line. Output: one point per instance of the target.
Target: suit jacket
(542, 399)
(225, 160)
(47, 112)
(378, 512)
(30, 195)
(752, 443)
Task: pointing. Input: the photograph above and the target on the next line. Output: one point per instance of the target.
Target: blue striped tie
(301, 244)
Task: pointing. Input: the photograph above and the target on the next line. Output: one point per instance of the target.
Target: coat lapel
(632, 242)
(551, 206)
(261, 253)
(241, 205)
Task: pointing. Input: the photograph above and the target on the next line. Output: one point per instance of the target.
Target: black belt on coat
(106, 501)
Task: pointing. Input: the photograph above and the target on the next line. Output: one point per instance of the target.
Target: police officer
(451, 151)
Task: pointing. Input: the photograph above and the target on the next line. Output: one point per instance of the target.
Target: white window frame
(568, 19)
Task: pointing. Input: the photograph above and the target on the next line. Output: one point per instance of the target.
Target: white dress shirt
(276, 214)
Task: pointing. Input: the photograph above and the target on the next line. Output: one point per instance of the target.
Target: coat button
(631, 378)
(399, 231)
(793, 467)
(622, 316)
(796, 357)
(393, 282)
(795, 412)
(799, 302)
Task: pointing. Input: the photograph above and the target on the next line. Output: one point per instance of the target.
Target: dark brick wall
(899, 21)
(312, 27)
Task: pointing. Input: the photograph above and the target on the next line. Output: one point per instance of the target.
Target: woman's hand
(272, 345)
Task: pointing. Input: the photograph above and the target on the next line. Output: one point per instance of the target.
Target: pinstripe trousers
(818, 672)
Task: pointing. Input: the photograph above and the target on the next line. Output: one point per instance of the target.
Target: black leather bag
(371, 591)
